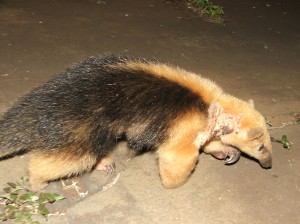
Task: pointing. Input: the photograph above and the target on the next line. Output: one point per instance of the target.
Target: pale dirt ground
(255, 55)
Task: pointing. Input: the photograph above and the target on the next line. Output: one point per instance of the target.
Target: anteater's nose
(267, 163)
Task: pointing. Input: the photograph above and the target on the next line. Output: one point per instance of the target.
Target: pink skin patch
(107, 165)
(219, 123)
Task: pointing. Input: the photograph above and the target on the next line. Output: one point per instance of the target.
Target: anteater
(72, 122)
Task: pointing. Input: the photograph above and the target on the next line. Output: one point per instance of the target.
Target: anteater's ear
(251, 102)
(253, 133)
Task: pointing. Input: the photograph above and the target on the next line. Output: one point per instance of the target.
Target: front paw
(229, 154)
(219, 154)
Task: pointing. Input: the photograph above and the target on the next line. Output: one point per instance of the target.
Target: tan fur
(81, 132)
(179, 155)
(238, 116)
(216, 148)
(136, 128)
(204, 88)
(251, 132)
(228, 124)
(47, 166)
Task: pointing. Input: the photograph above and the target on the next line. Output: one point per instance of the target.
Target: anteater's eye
(261, 148)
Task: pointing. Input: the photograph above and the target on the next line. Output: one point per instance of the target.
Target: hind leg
(53, 165)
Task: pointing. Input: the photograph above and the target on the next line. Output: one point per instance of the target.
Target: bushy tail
(8, 150)
(6, 153)
(11, 143)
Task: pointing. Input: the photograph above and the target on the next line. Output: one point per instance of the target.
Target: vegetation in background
(208, 9)
(284, 141)
(20, 204)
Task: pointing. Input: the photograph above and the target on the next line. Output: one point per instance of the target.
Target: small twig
(74, 185)
(282, 126)
(275, 140)
(56, 214)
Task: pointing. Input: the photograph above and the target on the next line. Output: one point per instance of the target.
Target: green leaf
(298, 122)
(2, 217)
(285, 142)
(27, 215)
(35, 222)
(7, 190)
(283, 138)
(13, 197)
(10, 197)
(43, 210)
(43, 198)
(11, 214)
(287, 145)
(58, 197)
(213, 11)
(10, 207)
(12, 185)
(18, 215)
(29, 197)
(20, 204)
(24, 179)
(16, 191)
(50, 197)
(31, 203)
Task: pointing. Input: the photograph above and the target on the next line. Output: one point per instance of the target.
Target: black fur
(108, 101)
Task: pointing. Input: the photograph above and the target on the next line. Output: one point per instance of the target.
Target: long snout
(266, 163)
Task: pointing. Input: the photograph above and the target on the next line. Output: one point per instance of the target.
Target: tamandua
(75, 120)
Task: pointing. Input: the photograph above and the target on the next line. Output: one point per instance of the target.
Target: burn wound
(219, 123)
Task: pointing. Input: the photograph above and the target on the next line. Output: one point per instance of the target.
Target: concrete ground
(255, 55)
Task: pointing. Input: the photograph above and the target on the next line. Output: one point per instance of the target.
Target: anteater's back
(80, 114)
(107, 101)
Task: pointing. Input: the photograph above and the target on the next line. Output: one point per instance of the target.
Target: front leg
(179, 154)
(176, 164)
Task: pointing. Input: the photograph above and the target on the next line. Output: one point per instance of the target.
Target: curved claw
(233, 158)
(106, 165)
(111, 168)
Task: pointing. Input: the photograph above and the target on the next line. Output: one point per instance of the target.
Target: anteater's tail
(12, 142)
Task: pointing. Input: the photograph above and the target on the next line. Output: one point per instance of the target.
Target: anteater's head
(250, 133)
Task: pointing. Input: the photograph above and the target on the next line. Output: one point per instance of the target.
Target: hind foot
(37, 185)
(106, 164)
